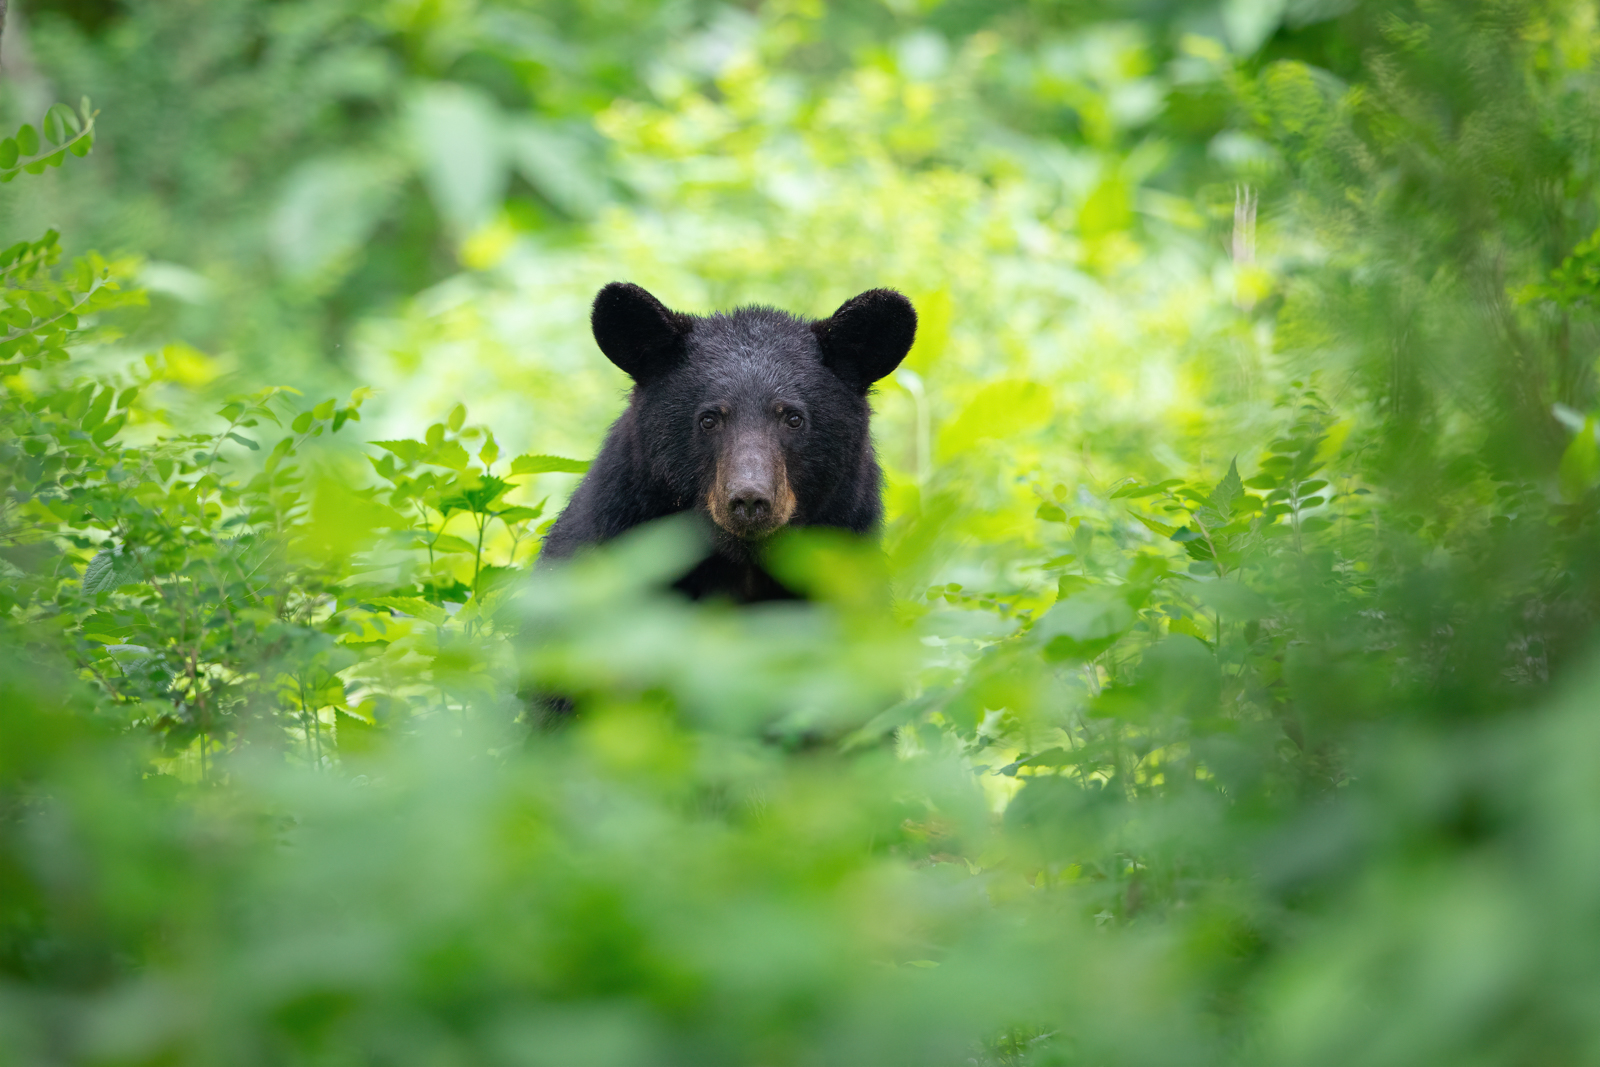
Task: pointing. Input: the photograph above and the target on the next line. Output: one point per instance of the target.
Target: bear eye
(794, 420)
(708, 422)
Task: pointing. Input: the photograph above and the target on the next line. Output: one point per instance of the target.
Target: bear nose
(749, 504)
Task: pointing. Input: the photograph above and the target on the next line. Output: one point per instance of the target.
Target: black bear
(755, 418)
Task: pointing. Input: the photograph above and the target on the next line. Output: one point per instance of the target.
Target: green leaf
(27, 140)
(548, 465)
(448, 454)
(109, 429)
(414, 606)
(1051, 513)
(519, 514)
(476, 494)
(1134, 491)
(1227, 491)
(60, 123)
(66, 121)
(105, 627)
(448, 543)
(9, 153)
(1082, 626)
(324, 410)
(251, 445)
(1232, 601)
(1050, 757)
(98, 410)
(302, 422)
(130, 657)
(458, 415)
(1580, 464)
(110, 568)
(1153, 526)
(406, 451)
(1069, 585)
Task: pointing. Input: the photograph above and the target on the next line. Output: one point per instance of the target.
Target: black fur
(754, 369)
(636, 332)
(867, 337)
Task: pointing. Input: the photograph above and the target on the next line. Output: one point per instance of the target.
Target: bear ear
(867, 337)
(637, 332)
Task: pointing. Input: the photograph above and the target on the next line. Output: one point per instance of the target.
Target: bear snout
(749, 505)
(751, 497)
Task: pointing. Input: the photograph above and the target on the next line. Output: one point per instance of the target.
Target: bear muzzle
(751, 496)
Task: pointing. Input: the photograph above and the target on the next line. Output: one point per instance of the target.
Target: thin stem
(23, 331)
(199, 706)
(1294, 515)
(1222, 571)
(477, 559)
(305, 721)
(427, 528)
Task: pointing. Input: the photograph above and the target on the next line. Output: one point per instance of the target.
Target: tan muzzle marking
(782, 505)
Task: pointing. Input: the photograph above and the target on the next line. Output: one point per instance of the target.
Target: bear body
(755, 419)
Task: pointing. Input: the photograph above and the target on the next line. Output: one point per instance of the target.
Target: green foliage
(221, 597)
(1221, 691)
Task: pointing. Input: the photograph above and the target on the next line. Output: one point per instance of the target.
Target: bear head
(755, 416)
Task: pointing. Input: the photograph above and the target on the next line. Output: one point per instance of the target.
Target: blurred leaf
(455, 135)
(327, 210)
(1580, 463)
(560, 164)
(1231, 600)
(448, 454)
(447, 543)
(1082, 626)
(548, 465)
(1051, 513)
(1004, 408)
(1161, 528)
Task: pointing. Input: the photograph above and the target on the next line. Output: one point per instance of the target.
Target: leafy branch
(65, 130)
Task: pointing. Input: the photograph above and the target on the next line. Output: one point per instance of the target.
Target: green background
(1231, 700)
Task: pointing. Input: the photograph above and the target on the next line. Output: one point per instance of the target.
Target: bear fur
(756, 419)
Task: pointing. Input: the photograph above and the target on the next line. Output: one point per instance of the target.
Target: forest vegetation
(1222, 689)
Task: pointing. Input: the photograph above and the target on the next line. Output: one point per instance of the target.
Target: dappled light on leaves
(1218, 690)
